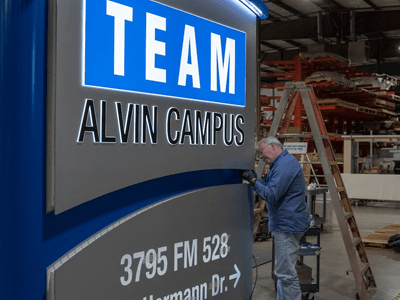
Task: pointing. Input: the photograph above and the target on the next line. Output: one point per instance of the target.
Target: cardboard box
(304, 273)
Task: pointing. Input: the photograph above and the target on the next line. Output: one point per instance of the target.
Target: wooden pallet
(368, 110)
(380, 103)
(390, 97)
(383, 111)
(338, 102)
(397, 297)
(379, 238)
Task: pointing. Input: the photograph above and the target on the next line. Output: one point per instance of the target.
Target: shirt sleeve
(276, 185)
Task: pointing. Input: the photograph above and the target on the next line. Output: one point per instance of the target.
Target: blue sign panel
(146, 47)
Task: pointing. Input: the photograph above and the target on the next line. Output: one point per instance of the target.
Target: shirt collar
(282, 154)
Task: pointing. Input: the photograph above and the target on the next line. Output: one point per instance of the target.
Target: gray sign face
(140, 89)
(205, 254)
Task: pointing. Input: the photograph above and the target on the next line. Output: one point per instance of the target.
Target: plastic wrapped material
(382, 81)
(337, 77)
(312, 56)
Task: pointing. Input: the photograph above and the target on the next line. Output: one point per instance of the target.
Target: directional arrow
(235, 276)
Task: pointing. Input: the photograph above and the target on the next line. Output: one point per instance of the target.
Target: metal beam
(389, 48)
(294, 43)
(328, 5)
(269, 45)
(275, 20)
(282, 55)
(336, 4)
(288, 8)
(306, 28)
(372, 4)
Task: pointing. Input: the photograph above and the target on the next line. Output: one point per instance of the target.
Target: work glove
(248, 175)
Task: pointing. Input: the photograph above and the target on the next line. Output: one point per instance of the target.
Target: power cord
(255, 282)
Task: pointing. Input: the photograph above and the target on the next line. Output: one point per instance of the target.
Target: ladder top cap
(293, 136)
(300, 84)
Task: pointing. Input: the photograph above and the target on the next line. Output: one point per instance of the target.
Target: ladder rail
(347, 238)
(289, 112)
(315, 130)
(280, 111)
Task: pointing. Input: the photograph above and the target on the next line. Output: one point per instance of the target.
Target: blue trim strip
(64, 231)
(260, 5)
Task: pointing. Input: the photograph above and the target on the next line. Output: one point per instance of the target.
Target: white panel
(373, 187)
(356, 53)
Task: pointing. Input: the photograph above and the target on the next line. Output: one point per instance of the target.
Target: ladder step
(258, 210)
(365, 267)
(333, 162)
(356, 241)
(346, 201)
(348, 215)
(340, 189)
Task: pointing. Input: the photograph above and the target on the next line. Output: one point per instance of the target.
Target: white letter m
(223, 65)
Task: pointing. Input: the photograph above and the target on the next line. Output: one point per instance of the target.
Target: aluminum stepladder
(351, 236)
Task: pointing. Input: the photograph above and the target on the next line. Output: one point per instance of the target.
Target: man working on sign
(284, 190)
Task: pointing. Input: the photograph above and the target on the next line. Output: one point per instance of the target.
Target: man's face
(268, 152)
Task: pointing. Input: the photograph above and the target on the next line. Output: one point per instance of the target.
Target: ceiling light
(257, 7)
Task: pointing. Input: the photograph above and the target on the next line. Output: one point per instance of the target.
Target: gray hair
(269, 140)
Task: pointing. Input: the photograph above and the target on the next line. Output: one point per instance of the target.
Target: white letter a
(189, 41)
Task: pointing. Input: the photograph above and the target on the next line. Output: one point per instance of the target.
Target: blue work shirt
(284, 190)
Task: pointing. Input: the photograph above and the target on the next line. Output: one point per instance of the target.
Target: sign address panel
(130, 261)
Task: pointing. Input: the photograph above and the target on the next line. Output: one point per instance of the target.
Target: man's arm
(277, 185)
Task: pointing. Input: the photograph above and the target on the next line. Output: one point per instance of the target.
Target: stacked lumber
(348, 105)
(362, 101)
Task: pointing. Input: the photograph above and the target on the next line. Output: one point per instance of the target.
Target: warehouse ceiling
(336, 26)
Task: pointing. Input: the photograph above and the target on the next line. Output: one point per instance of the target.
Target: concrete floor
(334, 283)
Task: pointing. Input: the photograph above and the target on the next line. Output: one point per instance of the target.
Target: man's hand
(248, 175)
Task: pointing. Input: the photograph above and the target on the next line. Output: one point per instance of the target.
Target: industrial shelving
(349, 102)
